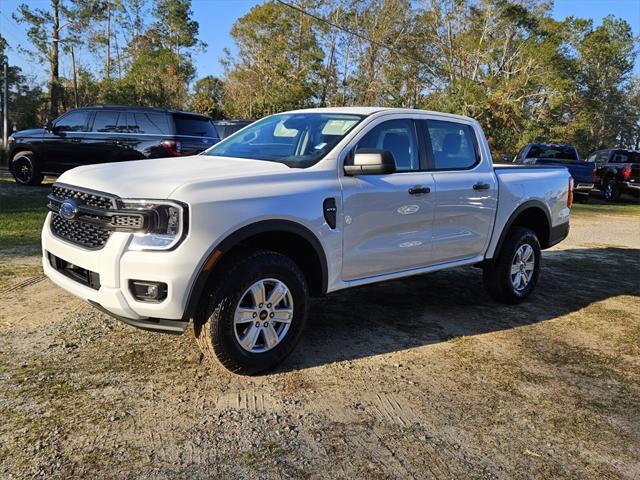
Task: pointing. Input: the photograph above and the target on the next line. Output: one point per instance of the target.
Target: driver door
(64, 147)
(388, 218)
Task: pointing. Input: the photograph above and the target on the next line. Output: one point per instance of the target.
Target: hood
(156, 178)
(33, 132)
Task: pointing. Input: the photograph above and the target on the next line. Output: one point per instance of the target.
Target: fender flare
(238, 236)
(512, 218)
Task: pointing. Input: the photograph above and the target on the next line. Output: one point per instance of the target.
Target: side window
(105, 121)
(452, 144)
(126, 123)
(153, 123)
(603, 156)
(397, 136)
(73, 122)
(591, 158)
(520, 154)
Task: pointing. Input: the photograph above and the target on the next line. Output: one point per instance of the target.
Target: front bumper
(116, 265)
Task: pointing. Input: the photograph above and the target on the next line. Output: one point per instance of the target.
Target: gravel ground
(420, 378)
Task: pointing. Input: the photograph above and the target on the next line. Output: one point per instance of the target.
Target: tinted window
(399, 138)
(126, 123)
(295, 139)
(106, 121)
(592, 158)
(194, 126)
(452, 144)
(561, 152)
(624, 156)
(152, 123)
(73, 122)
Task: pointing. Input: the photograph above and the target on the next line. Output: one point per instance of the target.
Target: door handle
(75, 140)
(419, 190)
(481, 186)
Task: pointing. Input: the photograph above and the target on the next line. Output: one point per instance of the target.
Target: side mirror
(48, 126)
(371, 162)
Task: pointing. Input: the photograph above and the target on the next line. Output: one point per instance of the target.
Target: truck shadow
(436, 307)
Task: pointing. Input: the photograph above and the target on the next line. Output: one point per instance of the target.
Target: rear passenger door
(466, 191)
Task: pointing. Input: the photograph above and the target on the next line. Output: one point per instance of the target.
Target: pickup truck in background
(617, 172)
(298, 204)
(583, 173)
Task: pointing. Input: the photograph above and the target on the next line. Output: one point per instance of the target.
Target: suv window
(152, 123)
(73, 122)
(105, 121)
(194, 126)
(452, 145)
(398, 137)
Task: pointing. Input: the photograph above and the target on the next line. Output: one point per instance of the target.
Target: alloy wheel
(263, 315)
(522, 267)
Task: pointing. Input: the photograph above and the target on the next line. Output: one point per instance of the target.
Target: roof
(139, 108)
(372, 110)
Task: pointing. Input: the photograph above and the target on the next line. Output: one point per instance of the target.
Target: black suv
(106, 134)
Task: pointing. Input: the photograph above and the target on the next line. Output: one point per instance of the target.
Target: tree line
(507, 63)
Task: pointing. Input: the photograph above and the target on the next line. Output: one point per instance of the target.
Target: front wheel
(512, 276)
(25, 169)
(251, 319)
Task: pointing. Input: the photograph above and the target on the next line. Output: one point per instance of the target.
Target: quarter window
(398, 137)
(452, 144)
(73, 122)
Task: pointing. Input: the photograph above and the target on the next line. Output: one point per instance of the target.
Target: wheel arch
(532, 214)
(284, 236)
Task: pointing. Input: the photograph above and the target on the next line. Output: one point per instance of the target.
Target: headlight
(167, 228)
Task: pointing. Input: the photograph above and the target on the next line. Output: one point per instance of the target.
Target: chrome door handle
(481, 186)
(419, 190)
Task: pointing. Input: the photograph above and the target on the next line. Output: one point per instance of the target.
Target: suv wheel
(611, 191)
(25, 169)
(512, 276)
(251, 319)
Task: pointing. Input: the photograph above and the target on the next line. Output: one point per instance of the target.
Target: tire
(219, 336)
(25, 169)
(611, 192)
(497, 276)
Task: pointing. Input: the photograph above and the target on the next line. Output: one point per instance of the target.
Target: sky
(216, 18)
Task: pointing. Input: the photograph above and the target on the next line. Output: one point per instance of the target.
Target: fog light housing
(148, 291)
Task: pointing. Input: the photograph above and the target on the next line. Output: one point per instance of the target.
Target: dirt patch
(419, 378)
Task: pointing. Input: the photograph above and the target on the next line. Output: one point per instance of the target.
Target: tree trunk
(75, 78)
(54, 82)
(108, 62)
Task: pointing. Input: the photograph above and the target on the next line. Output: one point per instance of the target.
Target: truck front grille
(92, 199)
(80, 233)
(84, 234)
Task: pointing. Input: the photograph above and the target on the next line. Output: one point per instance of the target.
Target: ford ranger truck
(298, 204)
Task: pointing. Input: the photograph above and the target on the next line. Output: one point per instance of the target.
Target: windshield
(561, 152)
(296, 139)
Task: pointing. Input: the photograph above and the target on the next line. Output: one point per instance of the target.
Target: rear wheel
(251, 319)
(25, 169)
(611, 192)
(512, 276)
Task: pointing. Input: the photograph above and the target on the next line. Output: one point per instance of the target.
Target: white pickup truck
(298, 204)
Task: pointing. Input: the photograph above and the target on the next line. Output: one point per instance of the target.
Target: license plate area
(81, 275)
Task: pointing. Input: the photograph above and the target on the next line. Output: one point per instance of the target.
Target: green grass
(22, 213)
(595, 207)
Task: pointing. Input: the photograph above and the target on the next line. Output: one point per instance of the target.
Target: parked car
(617, 172)
(583, 173)
(301, 204)
(104, 134)
(224, 128)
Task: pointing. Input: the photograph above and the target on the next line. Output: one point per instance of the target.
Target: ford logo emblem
(69, 210)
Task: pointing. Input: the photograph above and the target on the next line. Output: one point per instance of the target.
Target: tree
(207, 97)
(278, 64)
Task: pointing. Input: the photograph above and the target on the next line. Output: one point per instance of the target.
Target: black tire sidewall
(36, 177)
(224, 300)
(615, 194)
